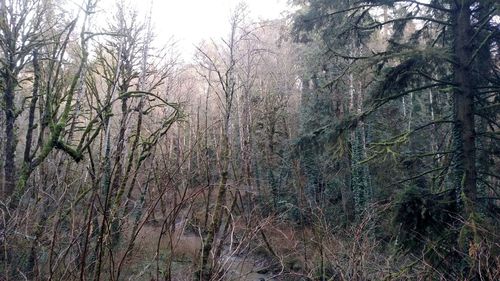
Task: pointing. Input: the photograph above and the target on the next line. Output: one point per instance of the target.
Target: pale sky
(190, 21)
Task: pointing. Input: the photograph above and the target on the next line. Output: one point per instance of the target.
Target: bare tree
(223, 65)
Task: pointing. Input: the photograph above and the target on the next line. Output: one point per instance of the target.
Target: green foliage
(425, 225)
(420, 216)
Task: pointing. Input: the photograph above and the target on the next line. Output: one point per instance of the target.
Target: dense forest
(347, 140)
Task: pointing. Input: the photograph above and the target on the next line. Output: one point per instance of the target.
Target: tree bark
(31, 117)
(463, 109)
(10, 137)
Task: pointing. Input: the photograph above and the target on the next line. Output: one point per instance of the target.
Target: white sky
(190, 21)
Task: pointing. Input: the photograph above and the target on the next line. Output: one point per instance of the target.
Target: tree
(25, 38)
(22, 30)
(224, 67)
(432, 47)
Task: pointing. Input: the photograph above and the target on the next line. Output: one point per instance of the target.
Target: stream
(188, 244)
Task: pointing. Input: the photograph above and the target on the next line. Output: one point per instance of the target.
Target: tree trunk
(9, 183)
(463, 109)
(206, 269)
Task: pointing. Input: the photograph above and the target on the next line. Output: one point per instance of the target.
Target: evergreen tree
(443, 48)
